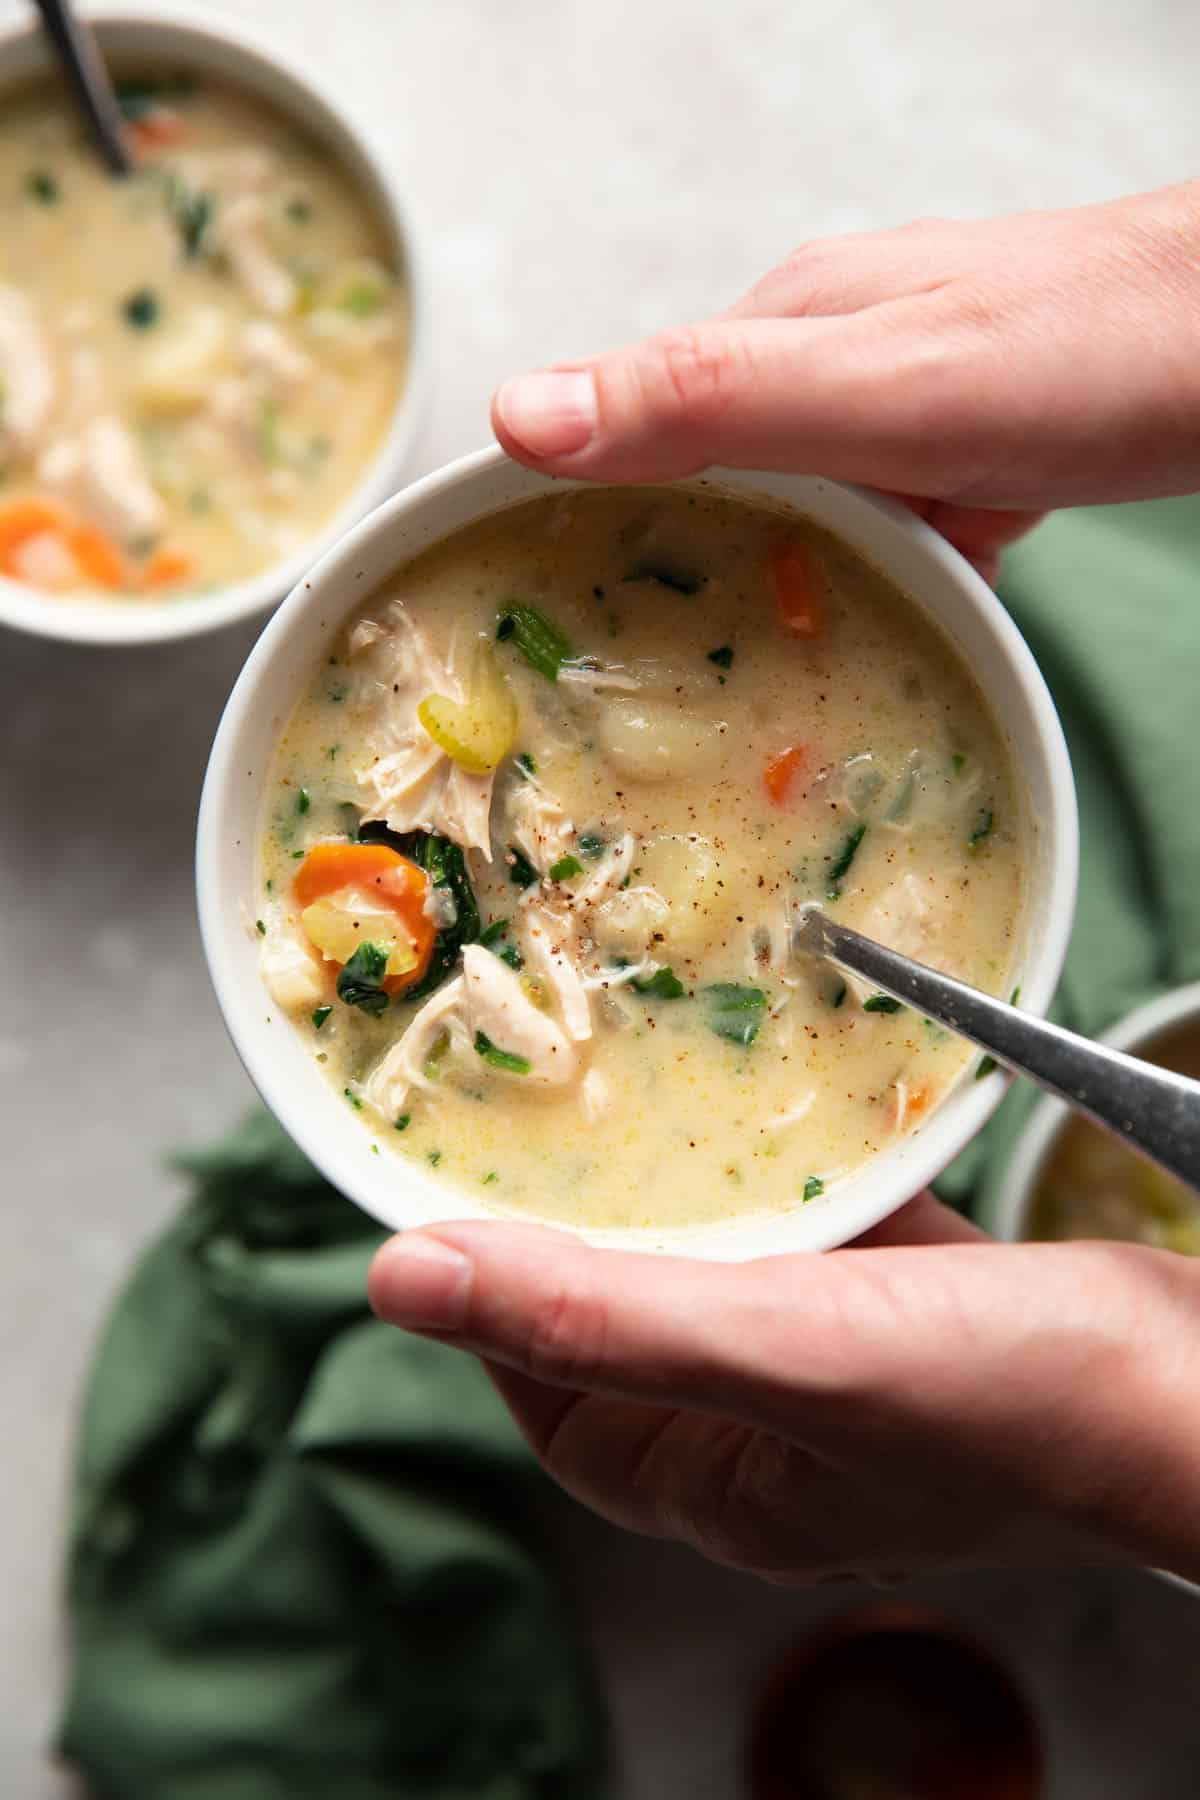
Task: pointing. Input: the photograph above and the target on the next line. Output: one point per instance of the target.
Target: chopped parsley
(403, 1122)
(543, 644)
(353, 1098)
(495, 928)
(512, 956)
(260, 928)
(814, 1187)
(722, 657)
(303, 800)
(435, 1157)
(839, 997)
(565, 867)
(664, 984)
(521, 871)
(360, 981)
(527, 763)
(881, 1003)
(958, 761)
(320, 1015)
(500, 1059)
(735, 1012)
(840, 866)
(41, 186)
(490, 1177)
(983, 828)
(142, 309)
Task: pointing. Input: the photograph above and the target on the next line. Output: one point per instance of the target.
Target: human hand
(926, 1399)
(989, 370)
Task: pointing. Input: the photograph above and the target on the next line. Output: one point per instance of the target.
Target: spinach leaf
(735, 1012)
(360, 981)
(565, 867)
(722, 657)
(983, 829)
(664, 984)
(840, 866)
(521, 871)
(814, 1187)
(881, 1003)
(500, 1059)
(543, 644)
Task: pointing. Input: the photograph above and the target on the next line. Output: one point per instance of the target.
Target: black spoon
(84, 68)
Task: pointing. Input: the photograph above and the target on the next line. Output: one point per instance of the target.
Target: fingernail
(422, 1283)
(551, 413)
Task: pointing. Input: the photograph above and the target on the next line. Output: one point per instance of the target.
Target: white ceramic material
(1008, 1214)
(400, 1192)
(204, 42)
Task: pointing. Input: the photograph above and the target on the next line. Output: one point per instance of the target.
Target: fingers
(879, 397)
(836, 275)
(923, 1221)
(766, 1342)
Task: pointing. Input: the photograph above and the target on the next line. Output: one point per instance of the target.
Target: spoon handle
(84, 68)
(1153, 1110)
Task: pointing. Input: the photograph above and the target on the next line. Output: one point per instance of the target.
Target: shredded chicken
(27, 385)
(392, 1079)
(412, 785)
(498, 1006)
(101, 470)
(595, 1095)
(794, 1114)
(254, 266)
(292, 974)
(268, 351)
(537, 824)
(548, 957)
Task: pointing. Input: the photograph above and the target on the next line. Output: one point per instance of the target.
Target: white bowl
(401, 1193)
(212, 47)
(1006, 1214)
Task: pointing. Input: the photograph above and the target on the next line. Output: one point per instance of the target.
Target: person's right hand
(988, 371)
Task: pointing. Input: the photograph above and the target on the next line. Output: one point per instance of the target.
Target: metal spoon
(84, 68)
(1152, 1110)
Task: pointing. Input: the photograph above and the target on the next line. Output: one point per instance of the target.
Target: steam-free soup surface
(1091, 1186)
(602, 747)
(196, 362)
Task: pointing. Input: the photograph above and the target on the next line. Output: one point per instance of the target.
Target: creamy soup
(536, 833)
(196, 362)
(1092, 1186)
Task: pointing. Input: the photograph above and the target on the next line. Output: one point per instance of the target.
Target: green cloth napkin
(1109, 600)
(303, 1558)
(300, 1558)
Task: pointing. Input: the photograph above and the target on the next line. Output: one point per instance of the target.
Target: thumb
(881, 396)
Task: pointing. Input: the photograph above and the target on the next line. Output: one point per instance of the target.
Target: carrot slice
(97, 555)
(24, 519)
(157, 129)
(167, 567)
(795, 588)
(382, 872)
(781, 771)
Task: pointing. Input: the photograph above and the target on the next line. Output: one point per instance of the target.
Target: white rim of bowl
(123, 622)
(1008, 1215)
(344, 1155)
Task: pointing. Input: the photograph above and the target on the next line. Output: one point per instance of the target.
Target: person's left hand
(924, 1399)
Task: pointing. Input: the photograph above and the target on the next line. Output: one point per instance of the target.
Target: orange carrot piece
(157, 129)
(97, 555)
(23, 519)
(167, 567)
(795, 588)
(919, 1101)
(376, 868)
(781, 771)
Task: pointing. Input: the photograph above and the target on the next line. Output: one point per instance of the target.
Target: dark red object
(893, 1704)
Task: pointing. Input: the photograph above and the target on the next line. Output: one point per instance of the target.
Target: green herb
(664, 984)
(303, 800)
(500, 1059)
(298, 855)
(958, 761)
(668, 573)
(840, 866)
(141, 95)
(495, 928)
(814, 1187)
(260, 928)
(320, 1015)
(361, 299)
(298, 210)
(360, 981)
(839, 997)
(521, 871)
(446, 868)
(332, 751)
(881, 1003)
(543, 644)
(141, 309)
(527, 763)
(403, 1122)
(512, 956)
(43, 187)
(435, 1157)
(735, 1012)
(353, 1098)
(722, 657)
(192, 213)
(565, 867)
(591, 843)
(490, 1177)
(983, 829)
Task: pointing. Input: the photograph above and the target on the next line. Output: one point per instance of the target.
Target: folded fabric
(304, 1559)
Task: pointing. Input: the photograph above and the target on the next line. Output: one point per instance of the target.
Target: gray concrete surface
(584, 173)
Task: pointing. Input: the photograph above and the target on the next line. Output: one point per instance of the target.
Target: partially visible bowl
(1008, 1214)
(208, 45)
(278, 669)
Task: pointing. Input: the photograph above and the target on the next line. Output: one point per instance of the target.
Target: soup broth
(196, 362)
(634, 730)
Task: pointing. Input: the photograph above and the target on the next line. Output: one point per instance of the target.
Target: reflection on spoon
(83, 65)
